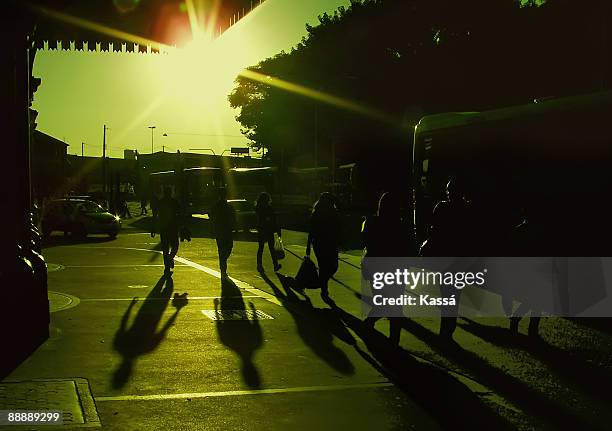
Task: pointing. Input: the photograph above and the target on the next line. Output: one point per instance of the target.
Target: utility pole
(152, 128)
(82, 145)
(104, 164)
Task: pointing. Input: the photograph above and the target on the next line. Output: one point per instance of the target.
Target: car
(246, 218)
(79, 217)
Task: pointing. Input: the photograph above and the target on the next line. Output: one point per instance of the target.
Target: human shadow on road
(530, 400)
(142, 223)
(242, 336)
(567, 366)
(449, 401)
(157, 247)
(316, 326)
(200, 228)
(143, 336)
(601, 324)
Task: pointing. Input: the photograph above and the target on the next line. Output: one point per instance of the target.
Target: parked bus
(551, 157)
(292, 190)
(196, 188)
(248, 183)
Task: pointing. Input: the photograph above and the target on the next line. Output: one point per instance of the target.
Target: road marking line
(190, 298)
(241, 284)
(119, 266)
(298, 389)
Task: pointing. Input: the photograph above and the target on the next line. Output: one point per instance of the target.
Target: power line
(208, 135)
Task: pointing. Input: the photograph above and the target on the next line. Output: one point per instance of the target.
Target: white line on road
(190, 298)
(118, 266)
(241, 284)
(298, 389)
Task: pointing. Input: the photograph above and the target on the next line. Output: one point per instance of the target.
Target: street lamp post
(152, 128)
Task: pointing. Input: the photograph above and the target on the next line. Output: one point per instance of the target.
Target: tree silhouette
(414, 57)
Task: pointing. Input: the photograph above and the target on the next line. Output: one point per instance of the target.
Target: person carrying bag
(307, 276)
(279, 250)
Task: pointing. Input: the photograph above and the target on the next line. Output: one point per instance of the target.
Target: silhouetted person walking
(525, 241)
(324, 238)
(167, 217)
(452, 233)
(223, 218)
(266, 228)
(388, 234)
(125, 209)
(143, 205)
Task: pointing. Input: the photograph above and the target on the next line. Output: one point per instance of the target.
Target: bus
(552, 157)
(248, 183)
(196, 188)
(293, 189)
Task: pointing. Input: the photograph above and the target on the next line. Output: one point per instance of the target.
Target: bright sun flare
(202, 72)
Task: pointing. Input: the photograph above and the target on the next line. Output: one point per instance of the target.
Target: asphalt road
(154, 361)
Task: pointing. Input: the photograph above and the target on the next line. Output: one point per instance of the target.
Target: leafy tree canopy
(408, 58)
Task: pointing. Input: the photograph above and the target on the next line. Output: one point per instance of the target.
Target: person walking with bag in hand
(266, 228)
(323, 236)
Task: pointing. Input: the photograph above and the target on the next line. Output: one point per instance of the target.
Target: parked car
(79, 217)
(246, 218)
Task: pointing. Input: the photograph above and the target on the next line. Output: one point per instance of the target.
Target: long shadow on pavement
(317, 327)
(447, 400)
(602, 324)
(242, 336)
(529, 400)
(569, 367)
(143, 336)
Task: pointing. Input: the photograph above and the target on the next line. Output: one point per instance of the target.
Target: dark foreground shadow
(447, 400)
(316, 326)
(569, 367)
(242, 336)
(143, 223)
(144, 336)
(61, 240)
(531, 401)
(602, 324)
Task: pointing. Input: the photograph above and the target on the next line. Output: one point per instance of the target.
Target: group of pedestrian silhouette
(456, 229)
(460, 226)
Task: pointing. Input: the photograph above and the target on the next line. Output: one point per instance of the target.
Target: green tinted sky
(82, 91)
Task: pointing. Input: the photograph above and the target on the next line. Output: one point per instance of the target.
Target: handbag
(185, 234)
(307, 276)
(279, 251)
